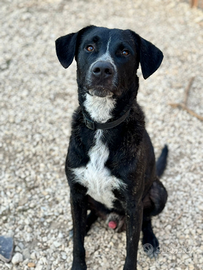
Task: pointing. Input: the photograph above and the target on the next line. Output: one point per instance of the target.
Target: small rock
(21, 246)
(63, 255)
(17, 249)
(17, 258)
(31, 264)
(60, 235)
(6, 248)
(27, 237)
(33, 256)
(200, 207)
(26, 253)
(39, 267)
(44, 239)
(57, 244)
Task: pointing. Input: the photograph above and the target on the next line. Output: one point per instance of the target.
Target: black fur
(131, 155)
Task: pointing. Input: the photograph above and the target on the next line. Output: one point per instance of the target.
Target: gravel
(37, 99)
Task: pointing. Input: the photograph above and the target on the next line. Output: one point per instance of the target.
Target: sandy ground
(37, 98)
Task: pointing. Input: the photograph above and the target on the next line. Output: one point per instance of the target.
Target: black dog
(110, 164)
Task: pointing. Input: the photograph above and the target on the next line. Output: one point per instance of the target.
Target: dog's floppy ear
(150, 56)
(66, 46)
(65, 49)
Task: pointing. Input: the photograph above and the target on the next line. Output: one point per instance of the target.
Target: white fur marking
(106, 57)
(99, 108)
(96, 177)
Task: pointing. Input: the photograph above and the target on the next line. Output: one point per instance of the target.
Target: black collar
(94, 125)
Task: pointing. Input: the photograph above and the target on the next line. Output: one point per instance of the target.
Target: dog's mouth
(100, 91)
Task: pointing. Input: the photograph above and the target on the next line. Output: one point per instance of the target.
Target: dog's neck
(99, 108)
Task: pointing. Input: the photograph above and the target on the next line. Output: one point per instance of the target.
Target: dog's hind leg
(149, 241)
(154, 203)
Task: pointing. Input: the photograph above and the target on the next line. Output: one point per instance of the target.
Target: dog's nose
(102, 69)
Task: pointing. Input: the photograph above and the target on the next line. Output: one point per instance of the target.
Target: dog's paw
(151, 246)
(79, 265)
(150, 251)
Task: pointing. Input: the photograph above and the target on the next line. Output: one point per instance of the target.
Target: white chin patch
(99, 108)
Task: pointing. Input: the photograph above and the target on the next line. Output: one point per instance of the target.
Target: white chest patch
(96, 177)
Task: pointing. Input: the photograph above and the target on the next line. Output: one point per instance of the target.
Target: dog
(110, 165)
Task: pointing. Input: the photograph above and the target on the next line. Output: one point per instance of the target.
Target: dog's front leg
(79, 216)
(134, 215)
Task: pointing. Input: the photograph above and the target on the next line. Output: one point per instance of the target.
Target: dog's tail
(162, 162)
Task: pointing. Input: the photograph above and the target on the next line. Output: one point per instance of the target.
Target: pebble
(200, 207)
(26, 253)
(17, 249)
(33, 256)
(63, 255)
(21, 245)
(39, 267)
(31, 264)
(17, 258)
(57, 244)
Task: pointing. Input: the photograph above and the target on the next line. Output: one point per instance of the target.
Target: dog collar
(94, 125)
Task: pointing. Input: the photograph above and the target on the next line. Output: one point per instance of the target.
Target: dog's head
(107, 59)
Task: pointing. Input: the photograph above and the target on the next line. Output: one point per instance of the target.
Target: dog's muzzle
(101, 79)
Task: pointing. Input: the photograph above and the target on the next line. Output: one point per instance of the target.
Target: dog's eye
(125, 52)
(89, 48)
